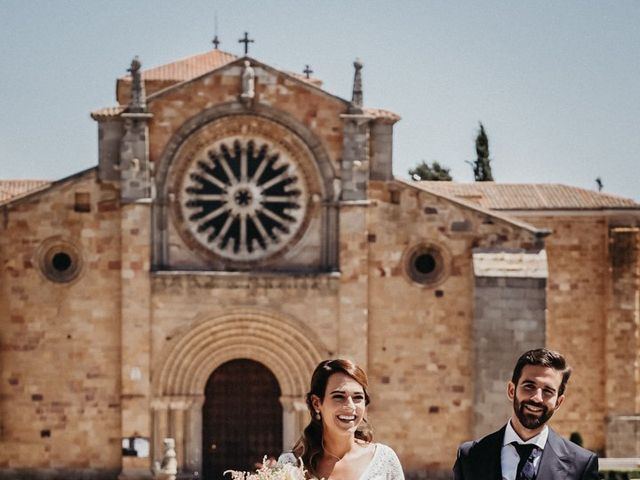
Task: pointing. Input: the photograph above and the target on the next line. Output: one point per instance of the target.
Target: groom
(526, 448)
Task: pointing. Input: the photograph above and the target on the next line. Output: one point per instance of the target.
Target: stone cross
(307, 71)
(246, 42)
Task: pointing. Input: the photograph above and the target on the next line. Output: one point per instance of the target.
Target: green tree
(424, 171)
(482, 165)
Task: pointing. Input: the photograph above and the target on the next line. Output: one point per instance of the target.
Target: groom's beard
(529, 420)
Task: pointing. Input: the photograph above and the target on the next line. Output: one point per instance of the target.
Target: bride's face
(343, 406)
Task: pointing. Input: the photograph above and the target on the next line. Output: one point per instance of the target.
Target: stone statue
(168, 469)
(248, 81)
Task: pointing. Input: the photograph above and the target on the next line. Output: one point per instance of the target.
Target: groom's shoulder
(575, 451)
(483, 444)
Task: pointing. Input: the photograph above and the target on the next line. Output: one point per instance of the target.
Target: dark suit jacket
(561, 460)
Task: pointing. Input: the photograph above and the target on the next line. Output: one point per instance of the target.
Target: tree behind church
(435, 171)
(482, 164)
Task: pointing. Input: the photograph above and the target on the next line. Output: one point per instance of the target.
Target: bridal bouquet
(271, 470)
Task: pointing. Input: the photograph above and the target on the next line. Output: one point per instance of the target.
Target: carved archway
(282, 344)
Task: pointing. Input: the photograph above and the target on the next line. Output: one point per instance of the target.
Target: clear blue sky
(556, 84)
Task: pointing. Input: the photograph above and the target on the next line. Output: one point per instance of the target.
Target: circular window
(59, 260)
(243, 199)
(244, 190)
(426, 264)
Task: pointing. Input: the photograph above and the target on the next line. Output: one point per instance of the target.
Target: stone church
(243, 224)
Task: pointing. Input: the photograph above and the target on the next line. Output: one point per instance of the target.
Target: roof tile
(189, 67)
(529, 196)
(14, 188)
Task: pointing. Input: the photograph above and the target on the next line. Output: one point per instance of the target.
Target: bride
(337, 444)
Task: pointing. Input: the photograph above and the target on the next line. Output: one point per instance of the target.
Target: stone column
(623, 344)
(193, 434)
(382, 149)
(110, 132)
(160, 428)
(135, 331)
(354, 171)
(295, 417)
(177, 428)
(288, 423)
(301, 413)
(353, 320)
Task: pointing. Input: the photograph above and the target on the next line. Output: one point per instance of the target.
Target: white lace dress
(383, 466)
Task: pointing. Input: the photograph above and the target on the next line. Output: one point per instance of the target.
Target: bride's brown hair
(309, 447)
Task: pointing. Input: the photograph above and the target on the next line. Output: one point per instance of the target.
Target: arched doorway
(241, 418)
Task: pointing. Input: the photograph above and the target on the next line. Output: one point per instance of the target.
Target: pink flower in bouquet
(269, 469)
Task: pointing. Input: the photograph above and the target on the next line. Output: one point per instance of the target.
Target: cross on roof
(216, 42)
(246, 42)
(307, 71)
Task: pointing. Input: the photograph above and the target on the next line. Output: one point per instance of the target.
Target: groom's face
(535, 398)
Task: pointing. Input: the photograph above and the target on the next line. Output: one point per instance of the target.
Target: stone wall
(577, 254)
(60, 342)
(420, 336)
(622, 343)
(509, 319)
(316, 110)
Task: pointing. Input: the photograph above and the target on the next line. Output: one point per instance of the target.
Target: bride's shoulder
(384, 449)
(385, 464)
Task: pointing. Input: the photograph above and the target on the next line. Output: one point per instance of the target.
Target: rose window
(243, 200)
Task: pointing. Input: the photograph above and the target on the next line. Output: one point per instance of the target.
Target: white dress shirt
(509, 457)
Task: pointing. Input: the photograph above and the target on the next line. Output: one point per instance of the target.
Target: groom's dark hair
(543, 358)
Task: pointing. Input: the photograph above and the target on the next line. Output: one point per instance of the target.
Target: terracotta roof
(15, 188)
(538, 232)
(383, 114)
(529, 196)
(107, 112)
(189, 67)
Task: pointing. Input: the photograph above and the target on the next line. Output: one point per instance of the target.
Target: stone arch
(325, 167)
(282, 344)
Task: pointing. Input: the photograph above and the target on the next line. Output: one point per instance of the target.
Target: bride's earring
(317, 415)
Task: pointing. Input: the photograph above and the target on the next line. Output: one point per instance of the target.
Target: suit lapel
(553, 463)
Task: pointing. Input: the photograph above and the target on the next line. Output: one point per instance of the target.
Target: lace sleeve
(385, 465)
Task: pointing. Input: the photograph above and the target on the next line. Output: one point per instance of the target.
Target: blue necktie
(525, 470)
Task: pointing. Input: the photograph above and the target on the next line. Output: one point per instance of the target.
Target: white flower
(271, 470)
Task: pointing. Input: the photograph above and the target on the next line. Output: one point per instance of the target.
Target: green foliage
(435, 171)
(482, 165)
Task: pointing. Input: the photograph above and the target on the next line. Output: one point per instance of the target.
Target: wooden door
(241, 418)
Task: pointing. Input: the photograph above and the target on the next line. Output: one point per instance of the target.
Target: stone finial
(356, 98)
(248, 81)
(138, 101)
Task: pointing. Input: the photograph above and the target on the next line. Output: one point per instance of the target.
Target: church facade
(243, 224)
